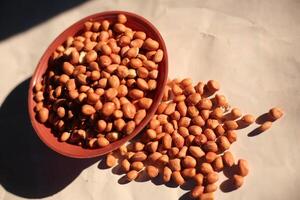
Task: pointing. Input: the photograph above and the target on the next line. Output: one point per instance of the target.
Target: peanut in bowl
(98, 84)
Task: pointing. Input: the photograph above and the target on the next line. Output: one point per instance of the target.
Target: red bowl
(135, 22)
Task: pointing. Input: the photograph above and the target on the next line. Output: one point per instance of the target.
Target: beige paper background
(251, 47)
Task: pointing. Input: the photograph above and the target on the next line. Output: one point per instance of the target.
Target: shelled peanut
(98, 84)
(189, 138)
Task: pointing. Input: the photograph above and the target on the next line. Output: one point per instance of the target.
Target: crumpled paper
(251, 47)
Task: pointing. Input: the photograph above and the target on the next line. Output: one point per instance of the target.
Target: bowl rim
(149, 114)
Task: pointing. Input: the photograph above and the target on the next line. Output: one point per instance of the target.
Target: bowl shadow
(28, 167)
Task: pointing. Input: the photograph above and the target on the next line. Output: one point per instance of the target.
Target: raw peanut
(193, 99)
(200, 88)
(230, 125)
(151, 44)
(228, 159)
(210, 188)
(189, 162)
(198, 178)
(105, 61)
(161, 108)
(189, 90)
(204, 104)
(152, 84)
(110, 160)
(151, 134)
(131, 175)
(177, 178)
(189, 140)
(176, 90)
(195, 130)
(39, 96)
(200, 139)
(210, 135)
(136, 63)
(182, 108)
(178, 140)
(158, 56)
(122, 18)
(68, 69)
(207, 196)
(109, 127)
(139, 35)
(137, 165)
(154, 157)
(164, 159)
(221, 100)
(197, 191)
(167, 141)
(101, 124)
(210, 146)
(206, 168)
(168, 128)
(275, 113)
(188, 172)
(213, 86)
(179, 98)
(137, 43)
(92, 98)
(105, 25)
(243, 167)
(136, 94)
(92, 142)
(182, 152)
(152, 146)
(172, 153)
(142, 84)
(122, 150)
(210, 157)
(142, 72)
(174, 164)
(43, 115)
(138, 146)
(235, 113)
(108, 108)
(125, 165)
(111, 69)
(102, 142)
(186, 82)
(238, 181)
(223, 143)
(248, 119)
(217, 113)
(139, 156)
(119, 28)
(205, 114)
(65, 136)
(139, 116)
(231, 136)
(265, 126)
(154, 123)
(213, 123)
(129, 110)
(122, 91)
(152, 171)
(219, 130)
(183, 131)
(119, 124)
(184, 121)
(118, 114)
(175, 116)
(88, 109)
(61, 112)
(150, 65)
(145, 103)
(129, 155)
(192, 111)
(132, 52)
(112, 136)
(196, 151)
(167, 172)
(197, 120)
(212, 178)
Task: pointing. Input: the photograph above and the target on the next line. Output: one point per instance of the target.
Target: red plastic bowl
(135, 22)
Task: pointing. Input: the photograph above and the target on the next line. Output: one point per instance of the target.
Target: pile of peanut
(99, 84)
(189, 139)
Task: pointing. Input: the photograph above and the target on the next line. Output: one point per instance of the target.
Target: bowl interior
(136, 23)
